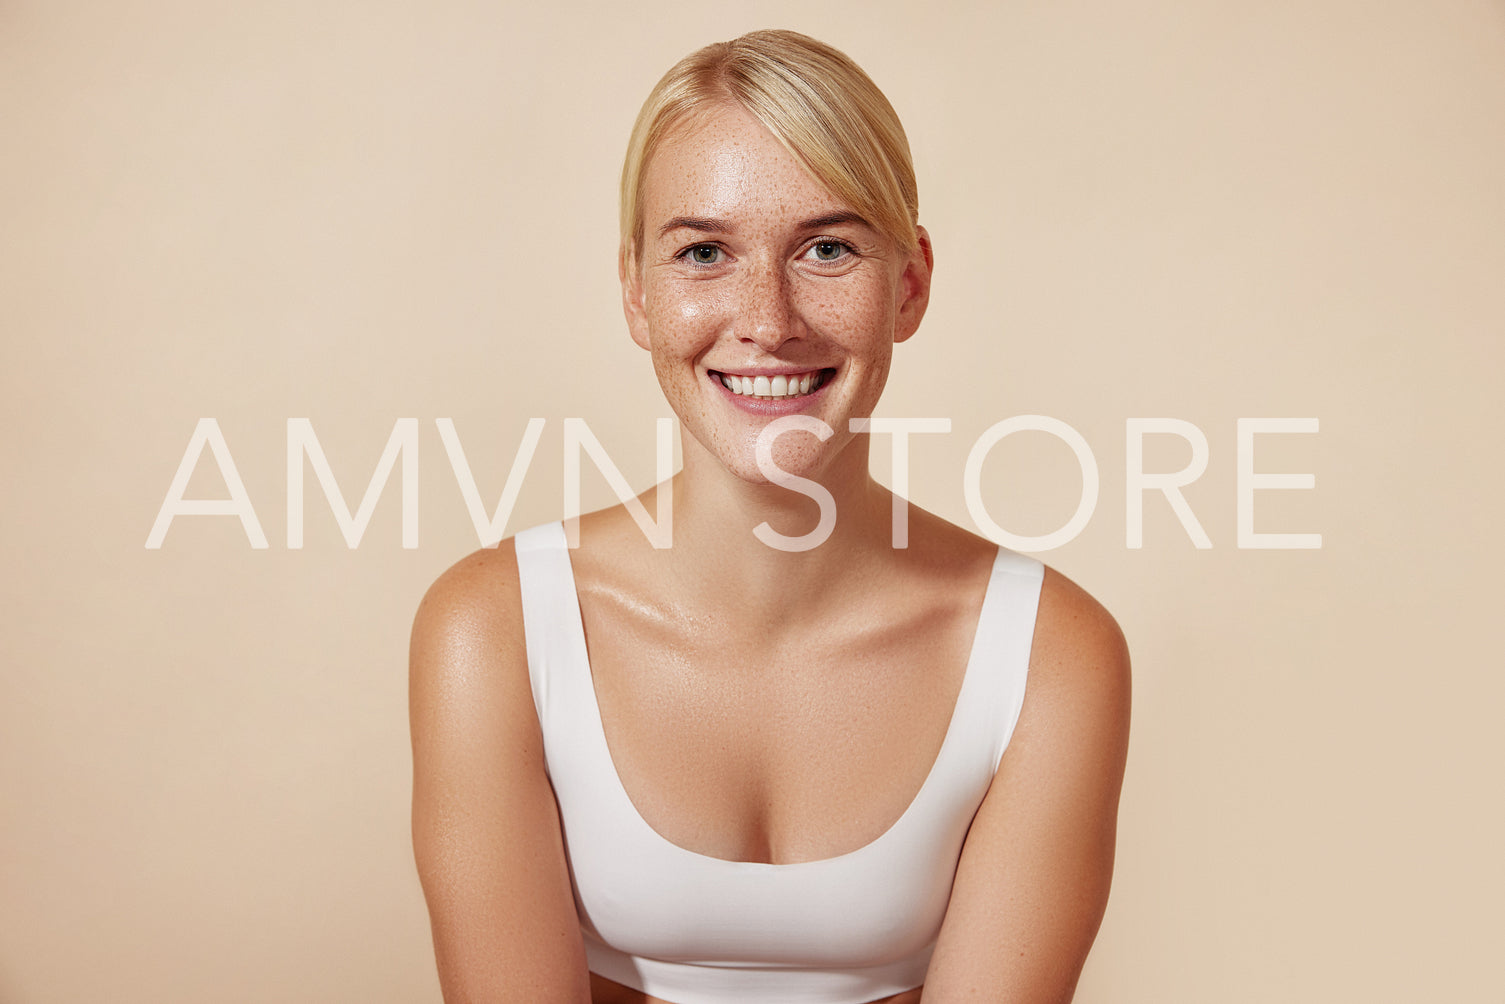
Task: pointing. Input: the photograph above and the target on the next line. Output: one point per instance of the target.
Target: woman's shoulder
(1078, 645)
(1072, 627)
(478, 593)
(467, 636)
(1079, 681)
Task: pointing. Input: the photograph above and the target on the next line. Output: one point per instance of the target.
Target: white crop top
(694, 929)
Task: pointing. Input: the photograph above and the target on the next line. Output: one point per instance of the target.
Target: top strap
(1002, 644)
(551, 608)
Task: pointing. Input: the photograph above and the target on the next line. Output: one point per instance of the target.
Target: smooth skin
(761, 704)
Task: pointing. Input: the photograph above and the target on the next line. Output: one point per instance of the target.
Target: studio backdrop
(301, 302)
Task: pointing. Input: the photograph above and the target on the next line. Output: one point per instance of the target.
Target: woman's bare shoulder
(477, 595)
(1073, 629)
(467, 652)
(1075, 635)
(1079, 683)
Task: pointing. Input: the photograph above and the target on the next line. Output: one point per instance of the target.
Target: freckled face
(760, 294)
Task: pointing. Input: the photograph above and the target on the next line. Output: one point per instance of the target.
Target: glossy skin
(764, 705)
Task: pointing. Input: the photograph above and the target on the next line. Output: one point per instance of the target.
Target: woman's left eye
(828, 251)
(703, 254)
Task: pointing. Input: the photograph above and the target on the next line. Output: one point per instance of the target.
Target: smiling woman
(724, 771)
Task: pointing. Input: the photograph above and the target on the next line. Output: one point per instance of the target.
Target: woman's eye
(704, 254)
(829, 250)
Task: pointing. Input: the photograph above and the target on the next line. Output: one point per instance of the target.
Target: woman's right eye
(703, 254)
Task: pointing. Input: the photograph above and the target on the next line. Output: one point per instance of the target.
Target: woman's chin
(796, 456)
(788, 467)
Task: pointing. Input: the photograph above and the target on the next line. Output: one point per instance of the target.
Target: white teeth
(771, 387)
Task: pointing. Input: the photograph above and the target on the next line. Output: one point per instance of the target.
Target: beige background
(355, 212)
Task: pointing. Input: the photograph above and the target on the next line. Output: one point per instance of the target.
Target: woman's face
(760, 294)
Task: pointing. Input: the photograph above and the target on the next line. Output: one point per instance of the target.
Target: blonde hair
(813, 98)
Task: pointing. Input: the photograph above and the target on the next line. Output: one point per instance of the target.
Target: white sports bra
(694, 929)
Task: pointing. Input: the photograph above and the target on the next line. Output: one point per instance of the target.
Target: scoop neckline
(948, 741)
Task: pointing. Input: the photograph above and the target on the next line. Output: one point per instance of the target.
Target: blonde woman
(785, 758)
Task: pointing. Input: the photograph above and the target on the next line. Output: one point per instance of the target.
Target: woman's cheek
(682, 312)
(853, 306)
(692, 312)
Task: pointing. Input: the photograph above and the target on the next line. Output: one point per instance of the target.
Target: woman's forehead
(727, 164)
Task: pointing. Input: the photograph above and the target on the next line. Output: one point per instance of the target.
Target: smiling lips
(771, 387)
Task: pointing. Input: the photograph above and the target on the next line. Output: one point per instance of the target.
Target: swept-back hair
(825, 110)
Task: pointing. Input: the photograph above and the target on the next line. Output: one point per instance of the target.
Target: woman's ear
(631, 277)
(914, 287)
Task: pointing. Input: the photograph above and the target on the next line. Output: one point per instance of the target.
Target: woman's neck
(754, 541)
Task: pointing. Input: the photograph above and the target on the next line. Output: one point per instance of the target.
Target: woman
(766, 763)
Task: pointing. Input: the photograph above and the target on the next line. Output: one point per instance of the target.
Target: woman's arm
(1034, 874)
(485, 826)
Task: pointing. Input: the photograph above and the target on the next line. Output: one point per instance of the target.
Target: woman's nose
(766, 313)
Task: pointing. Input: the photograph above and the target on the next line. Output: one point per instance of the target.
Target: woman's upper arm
(485, 826)
(1034, 874)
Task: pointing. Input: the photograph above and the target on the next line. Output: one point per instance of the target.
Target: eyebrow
(835, 219)
(710, 225)
(704, 224)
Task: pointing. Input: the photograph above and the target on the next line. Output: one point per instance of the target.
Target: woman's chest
(775, 747)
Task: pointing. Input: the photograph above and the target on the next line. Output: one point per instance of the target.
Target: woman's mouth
(770, 388)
